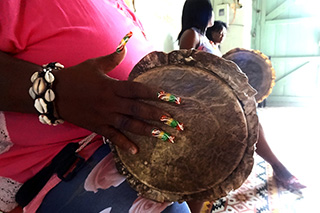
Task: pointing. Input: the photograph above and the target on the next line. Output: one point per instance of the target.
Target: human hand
(88, 98)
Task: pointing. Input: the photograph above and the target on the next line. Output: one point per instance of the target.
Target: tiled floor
(292, 133)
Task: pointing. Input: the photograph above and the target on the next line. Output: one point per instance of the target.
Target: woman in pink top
(90, 95)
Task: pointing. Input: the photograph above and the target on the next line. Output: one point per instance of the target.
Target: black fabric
(60, 164)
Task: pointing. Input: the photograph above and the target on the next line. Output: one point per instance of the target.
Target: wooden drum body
(257, 67)
(214, 154)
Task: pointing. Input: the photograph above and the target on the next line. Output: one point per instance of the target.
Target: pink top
(68, 32)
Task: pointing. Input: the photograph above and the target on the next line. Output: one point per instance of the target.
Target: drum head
(257, 67)
(214, 154)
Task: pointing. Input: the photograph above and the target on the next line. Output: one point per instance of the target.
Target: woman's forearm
(15, 83)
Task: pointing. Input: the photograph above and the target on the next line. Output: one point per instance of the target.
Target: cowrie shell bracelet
(42, 94)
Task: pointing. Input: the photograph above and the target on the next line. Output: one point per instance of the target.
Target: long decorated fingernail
(162, 135)
(171, 122)
(162, 95)
(123, 42)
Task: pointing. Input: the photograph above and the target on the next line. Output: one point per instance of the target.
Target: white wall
(161, 20)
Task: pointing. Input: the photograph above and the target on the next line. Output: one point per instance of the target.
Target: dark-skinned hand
(88, 98)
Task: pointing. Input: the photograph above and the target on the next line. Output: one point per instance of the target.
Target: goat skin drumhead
(214, 153)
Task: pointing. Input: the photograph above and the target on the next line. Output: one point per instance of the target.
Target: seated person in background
(216, 35)
(197, 18)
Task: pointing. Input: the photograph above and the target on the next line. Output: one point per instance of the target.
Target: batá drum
(257, 67)
(214, 153)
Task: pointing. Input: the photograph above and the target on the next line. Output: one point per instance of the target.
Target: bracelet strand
(42, 94)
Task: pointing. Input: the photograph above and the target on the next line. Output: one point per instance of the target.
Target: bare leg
(281, 172)
(195, 206)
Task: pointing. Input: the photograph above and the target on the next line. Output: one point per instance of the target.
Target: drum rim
(245, 94)
(267, 62)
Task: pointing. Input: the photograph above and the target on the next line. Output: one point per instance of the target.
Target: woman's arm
(189, 39)
(15, 83)
(86, 97)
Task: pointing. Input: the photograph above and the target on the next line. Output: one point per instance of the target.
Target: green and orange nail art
(123, 42)
(162, 135)
(162, 95)
(171, 122)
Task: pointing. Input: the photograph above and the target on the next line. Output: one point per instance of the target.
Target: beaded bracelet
(43, 95)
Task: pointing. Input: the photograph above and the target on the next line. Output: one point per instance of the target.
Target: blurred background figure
(198, 33)
(216, 35)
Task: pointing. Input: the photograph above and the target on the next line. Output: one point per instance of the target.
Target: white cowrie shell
(34, 76)
(58, 65)
(40, 105)
(49, 77)
(190, 58)
(31, 93)
(49, 95)
(39, 86)
(44, 119)
(41, 119)
(59, 121)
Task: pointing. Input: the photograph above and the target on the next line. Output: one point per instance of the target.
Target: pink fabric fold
(142, 205)
(54, 180)
(36, 202)
(104, 175)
